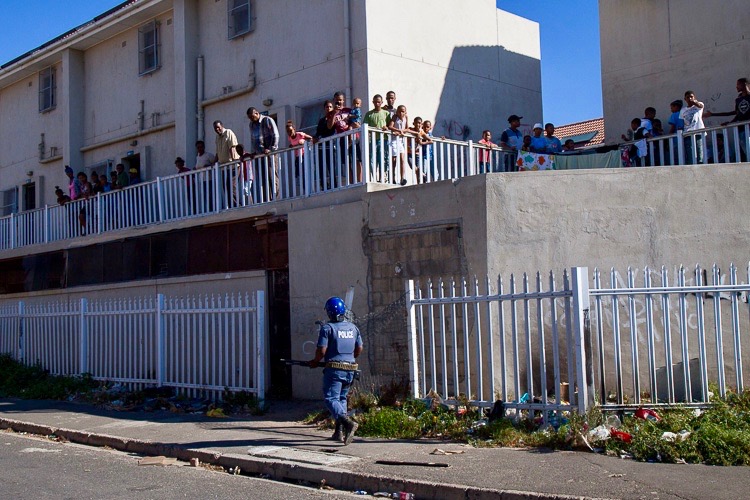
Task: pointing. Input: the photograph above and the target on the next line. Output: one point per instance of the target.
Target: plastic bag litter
(600, 433)
(675, 438)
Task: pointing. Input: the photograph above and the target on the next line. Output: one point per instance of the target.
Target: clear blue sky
(571, 67)
(571, 62)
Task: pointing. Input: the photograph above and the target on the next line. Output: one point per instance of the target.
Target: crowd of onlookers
(409, 144)
(687, 117)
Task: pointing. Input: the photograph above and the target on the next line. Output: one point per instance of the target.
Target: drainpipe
(141, 116)
(348, 48)
(199, 103)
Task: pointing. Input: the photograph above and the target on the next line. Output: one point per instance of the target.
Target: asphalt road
(36, 468)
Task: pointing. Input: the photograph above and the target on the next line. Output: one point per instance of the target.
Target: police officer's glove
(313, 363)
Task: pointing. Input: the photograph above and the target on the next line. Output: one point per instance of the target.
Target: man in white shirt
(692, 117)
(203, 159)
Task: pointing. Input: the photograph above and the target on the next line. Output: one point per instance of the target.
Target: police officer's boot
(337, 434)
(350, 427)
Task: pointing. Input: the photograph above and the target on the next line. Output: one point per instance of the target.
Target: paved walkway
(278, 445)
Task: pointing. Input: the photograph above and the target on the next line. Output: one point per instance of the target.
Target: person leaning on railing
(265, 141)
(741, 112)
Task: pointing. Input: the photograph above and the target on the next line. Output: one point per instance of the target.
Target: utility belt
(340, 365)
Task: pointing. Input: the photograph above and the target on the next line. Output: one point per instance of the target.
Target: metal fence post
(46, 223)
(364, 143)
(411, 328)
(84, 361)
(160, 200)
(260, 344)
(13, 236)
(217, 188)
(21, 339)
(161, 334)
(472, 161)
(582, 334)
(680, 148)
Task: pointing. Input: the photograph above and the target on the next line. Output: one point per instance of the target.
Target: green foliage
(242, 402)
(389, 423)
(33, 382)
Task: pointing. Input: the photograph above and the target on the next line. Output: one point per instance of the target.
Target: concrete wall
(464, 65)
(652, 52)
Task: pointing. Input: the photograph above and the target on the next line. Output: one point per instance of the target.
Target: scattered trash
(461, 410)
(626, 456)
(614, 421)
(160, 460)
(497, 412)
(382, 494)
(360, 492)
(647, 414)
(525, 398)
(600, 433)
(438, 451)
(620, 435)
(617, 475)
(479, 423)
(324, 486)
(672, 437)
(417, 464)
(195, 462)
(403, 495)
(433, 401)
(216, 413)
(235, 471)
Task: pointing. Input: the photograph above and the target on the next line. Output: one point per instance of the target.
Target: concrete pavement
(278, 445)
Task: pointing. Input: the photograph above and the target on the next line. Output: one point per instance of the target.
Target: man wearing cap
(538, 143)
(512, 138)
(135, 177)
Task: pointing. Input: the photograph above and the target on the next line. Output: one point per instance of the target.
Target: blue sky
(571, 66)
(571, 62)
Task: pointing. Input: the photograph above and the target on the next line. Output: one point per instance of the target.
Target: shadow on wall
(483, 86)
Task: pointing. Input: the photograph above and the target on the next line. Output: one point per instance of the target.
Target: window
(309, 115)
(47, 89)
(239, 18)
(148, 48)
(9, 202)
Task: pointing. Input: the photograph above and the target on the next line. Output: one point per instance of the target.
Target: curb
(340, 479)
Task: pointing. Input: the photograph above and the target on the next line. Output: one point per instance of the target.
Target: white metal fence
(541, 345)
(200, 344)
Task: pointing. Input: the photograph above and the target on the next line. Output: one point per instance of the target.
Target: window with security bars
(148, 48)
(47, 89)
(239, 17)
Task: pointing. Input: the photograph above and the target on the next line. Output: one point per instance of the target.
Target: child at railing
(399, 126)
(296, 139)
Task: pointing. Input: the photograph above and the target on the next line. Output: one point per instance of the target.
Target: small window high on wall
(148, 48)
(47, 89)
(239, 17)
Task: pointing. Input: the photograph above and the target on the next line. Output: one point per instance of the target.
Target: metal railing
(539, 346)
(720, 144)
(200, 345)
(519, 344)
(338, 162)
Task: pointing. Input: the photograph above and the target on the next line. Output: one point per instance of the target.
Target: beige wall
(652, 52)
(463, 68)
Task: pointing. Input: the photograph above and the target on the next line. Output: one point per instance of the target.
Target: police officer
(339, 343)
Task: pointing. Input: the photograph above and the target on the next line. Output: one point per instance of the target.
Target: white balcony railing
(339, 162)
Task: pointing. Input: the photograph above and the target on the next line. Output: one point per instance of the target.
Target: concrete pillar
(185, 77)
(73, 108)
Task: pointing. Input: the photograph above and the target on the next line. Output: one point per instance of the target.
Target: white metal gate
(200, 344)
(537, 344)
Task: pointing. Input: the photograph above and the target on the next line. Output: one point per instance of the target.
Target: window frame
(145, 50)
(232, 10)
(47, 89)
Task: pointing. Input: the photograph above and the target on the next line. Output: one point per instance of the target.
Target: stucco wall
(464, 65)
(652, 52)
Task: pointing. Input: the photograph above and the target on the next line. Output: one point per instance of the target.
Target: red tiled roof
(585, 127)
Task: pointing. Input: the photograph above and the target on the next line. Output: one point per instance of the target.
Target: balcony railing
(334, 163)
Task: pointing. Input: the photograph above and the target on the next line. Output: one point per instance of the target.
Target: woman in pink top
(297, 139)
